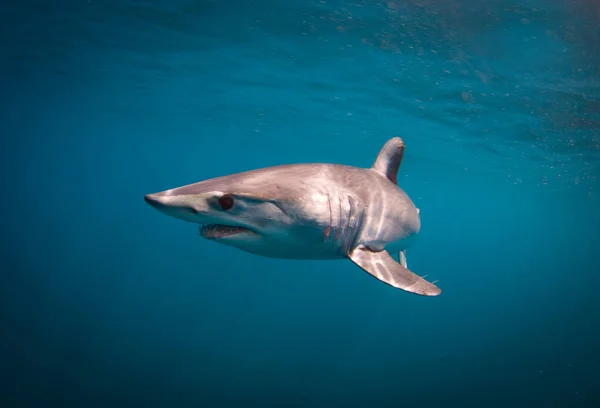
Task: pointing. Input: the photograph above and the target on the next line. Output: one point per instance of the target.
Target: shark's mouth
(215, 231)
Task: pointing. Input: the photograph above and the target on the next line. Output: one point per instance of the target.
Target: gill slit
(344, 226)
(340, 227)
(328, 229)
(348, 232)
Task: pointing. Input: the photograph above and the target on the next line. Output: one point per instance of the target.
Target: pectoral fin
(402, 258)
(382, 266)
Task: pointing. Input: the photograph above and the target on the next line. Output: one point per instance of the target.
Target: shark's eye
(226, 201)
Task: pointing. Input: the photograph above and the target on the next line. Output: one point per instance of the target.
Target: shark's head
(236, 210)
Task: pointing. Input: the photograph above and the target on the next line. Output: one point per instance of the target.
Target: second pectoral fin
(382, 266)
(402, 258)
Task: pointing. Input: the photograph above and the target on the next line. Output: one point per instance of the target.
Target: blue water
(104, 302)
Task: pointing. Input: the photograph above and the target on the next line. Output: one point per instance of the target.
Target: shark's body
(310, 211)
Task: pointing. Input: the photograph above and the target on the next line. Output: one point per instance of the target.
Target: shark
(310, 211)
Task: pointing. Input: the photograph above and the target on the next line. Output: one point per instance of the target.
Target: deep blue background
(105, 302)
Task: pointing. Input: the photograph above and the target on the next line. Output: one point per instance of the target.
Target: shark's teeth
(213, 231)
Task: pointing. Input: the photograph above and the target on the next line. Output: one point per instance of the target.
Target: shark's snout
(155, 201)
(169, 205)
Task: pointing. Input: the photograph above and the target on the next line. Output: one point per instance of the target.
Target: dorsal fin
(389, 158)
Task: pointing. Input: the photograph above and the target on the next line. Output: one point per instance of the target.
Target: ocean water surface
(104, 302)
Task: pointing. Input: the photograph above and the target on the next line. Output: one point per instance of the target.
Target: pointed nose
(153, 200)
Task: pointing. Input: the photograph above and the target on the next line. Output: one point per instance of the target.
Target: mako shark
(312, 211)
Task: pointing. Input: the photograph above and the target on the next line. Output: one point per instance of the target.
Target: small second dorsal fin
(389, 158)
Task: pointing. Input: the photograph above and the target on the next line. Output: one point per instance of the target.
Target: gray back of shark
(310, 211)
